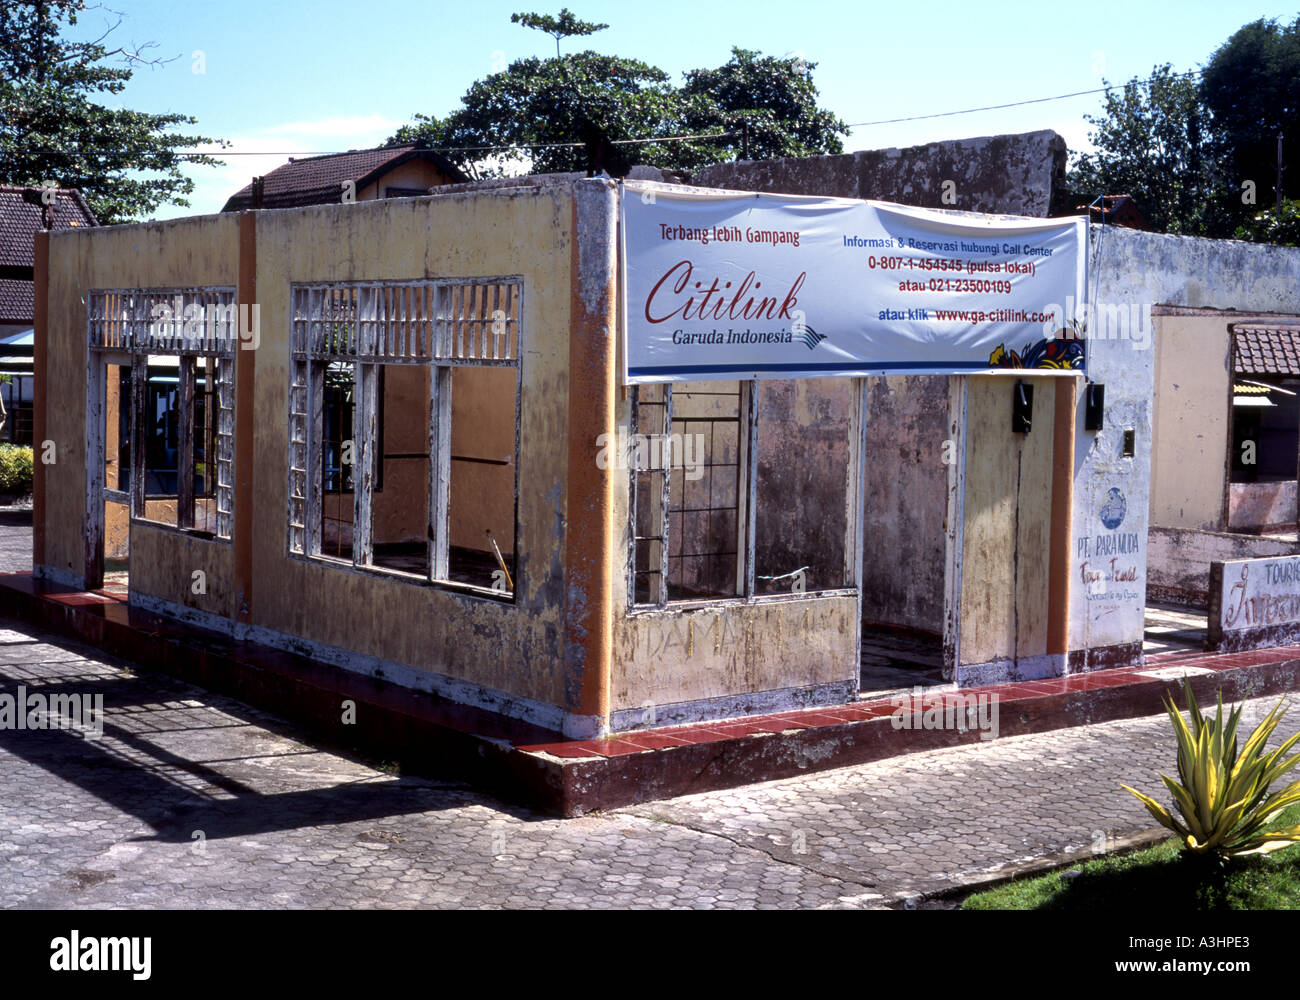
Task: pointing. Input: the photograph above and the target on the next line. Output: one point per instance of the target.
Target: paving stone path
(189, 799)
(194, 800)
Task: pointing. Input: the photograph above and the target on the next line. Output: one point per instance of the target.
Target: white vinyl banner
(724, 285)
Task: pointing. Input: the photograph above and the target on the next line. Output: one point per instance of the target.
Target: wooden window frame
(439, 324)
(124, 327)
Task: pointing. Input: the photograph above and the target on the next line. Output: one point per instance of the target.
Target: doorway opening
(904, 531)
(109, 567)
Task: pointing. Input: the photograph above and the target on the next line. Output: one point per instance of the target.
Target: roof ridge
(348, 152)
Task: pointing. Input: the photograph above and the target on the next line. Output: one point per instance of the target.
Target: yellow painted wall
(179, 253)
(482, 427)
(515, 648)
(1004, 573)
(412, 174)
(1193, 385)
(512, 648)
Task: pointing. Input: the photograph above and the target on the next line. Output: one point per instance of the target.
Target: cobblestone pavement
(189, 799)
(193, 800)
(15, 540)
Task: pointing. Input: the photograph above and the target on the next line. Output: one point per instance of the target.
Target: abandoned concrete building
(386, 444)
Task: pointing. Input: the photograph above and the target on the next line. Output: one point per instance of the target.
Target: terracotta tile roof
(20, 220)
(1266, 350)
(318, 180)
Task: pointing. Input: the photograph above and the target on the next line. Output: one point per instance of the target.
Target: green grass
(1160, 877)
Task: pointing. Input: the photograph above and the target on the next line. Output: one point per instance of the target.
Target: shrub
(1222, 795)
(15, 469)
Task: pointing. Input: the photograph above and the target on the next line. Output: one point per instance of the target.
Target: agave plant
(1222, 795)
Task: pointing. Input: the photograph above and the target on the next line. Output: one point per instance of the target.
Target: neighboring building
(1225, 326)
(1117, 210)
(25, 211)
(1265, 446)
(357, 175)
(16, 393)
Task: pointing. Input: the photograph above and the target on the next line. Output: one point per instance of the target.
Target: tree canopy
(1251, 87)
(53, 127)
(520, 116)
(1151, 142)
(1200, 158)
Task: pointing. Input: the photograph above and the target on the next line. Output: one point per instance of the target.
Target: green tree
(611, 104)
(53, 128)
(1251, 86)
(1270, 226)
(1152, 142)
(774, 97)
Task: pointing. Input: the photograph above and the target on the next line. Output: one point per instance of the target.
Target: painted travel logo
(1113, 510)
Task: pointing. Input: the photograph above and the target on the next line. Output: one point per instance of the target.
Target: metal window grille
(691, 534)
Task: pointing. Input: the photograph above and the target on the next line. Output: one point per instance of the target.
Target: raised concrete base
(539, 768)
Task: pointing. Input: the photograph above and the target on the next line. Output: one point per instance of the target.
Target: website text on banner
(721, 285)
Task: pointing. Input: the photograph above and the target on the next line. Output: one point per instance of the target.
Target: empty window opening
(481, 530)
(400, 507)
(169, 413)
(1265, 428)
(403, 426)
(690, 468)
(704, 506)
(802, 485)
(336, 446)
(117, 472)
(725, 505)
(16, 396)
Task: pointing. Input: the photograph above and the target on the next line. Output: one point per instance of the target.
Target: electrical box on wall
(1094, 406)
(1022, 408)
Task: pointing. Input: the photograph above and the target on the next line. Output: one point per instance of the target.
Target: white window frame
(438, 324)
(126, 326)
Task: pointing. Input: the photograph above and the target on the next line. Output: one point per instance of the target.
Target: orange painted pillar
(589, 528)
(245, 417)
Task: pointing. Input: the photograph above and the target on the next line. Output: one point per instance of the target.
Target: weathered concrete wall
(732, 659)
(804, 437)
(1015, 174)
(1191, 420)
(904, 503)
(1160, 275)
(1178, 560)
(1262, 506)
